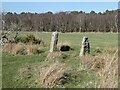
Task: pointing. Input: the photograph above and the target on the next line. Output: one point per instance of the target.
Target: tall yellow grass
(105, 66)
(22, 49)
(33, 49)
(109, 74)
(53, 74)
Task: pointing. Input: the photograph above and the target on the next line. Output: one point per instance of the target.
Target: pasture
(22, 71)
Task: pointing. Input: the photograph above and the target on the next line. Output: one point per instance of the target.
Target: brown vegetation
(47, 75)
(53, 56)
(54, 75)
(22, 49)
(34, 49)
(105, 66)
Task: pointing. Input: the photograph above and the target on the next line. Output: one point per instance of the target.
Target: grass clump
(105, 67)
(46, 75)
(22, 49)
(19, 48)
(13, 48)
(54, 75)
(34, 49)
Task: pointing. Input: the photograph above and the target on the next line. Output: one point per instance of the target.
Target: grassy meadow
(24, 71)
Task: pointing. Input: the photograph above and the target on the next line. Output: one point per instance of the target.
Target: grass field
(80, 77)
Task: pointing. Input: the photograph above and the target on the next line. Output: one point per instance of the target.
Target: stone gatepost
(85, 48)
(54, 40)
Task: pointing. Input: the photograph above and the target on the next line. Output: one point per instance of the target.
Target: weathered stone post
(85, 48)
(54, 40)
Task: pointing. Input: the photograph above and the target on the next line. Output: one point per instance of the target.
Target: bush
(21, 39)
(37, 41)
(29, 38)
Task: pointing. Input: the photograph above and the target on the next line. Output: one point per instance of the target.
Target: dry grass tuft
(95, 63)
(98, 50)
(105, 67)
(53, 56)
(45, 75)
(33, 49)
(110, 50)
(54, 75)
(109, 74)
(19, 49)
(14, 48)
(22, 49)
(8, 47)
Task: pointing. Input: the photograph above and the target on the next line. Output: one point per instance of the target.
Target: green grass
(12, 63)
(96, 39)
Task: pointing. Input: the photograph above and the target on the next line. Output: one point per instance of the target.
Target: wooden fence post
(85, 48)
(54, 40)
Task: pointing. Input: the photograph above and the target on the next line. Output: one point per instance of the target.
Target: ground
(80, 77)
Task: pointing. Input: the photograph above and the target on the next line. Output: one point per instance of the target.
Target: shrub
(29, 38)
(21, 39)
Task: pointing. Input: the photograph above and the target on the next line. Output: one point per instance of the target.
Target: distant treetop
(72, 12)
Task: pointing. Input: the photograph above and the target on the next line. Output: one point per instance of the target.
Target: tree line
(68, 21)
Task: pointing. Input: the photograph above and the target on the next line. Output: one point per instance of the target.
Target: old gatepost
(85, 48)
(54, 40)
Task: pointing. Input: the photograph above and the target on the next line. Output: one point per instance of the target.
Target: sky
(60, 0)
(42, 7)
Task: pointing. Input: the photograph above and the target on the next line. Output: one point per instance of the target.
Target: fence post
(85, 48)
(54, 40)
